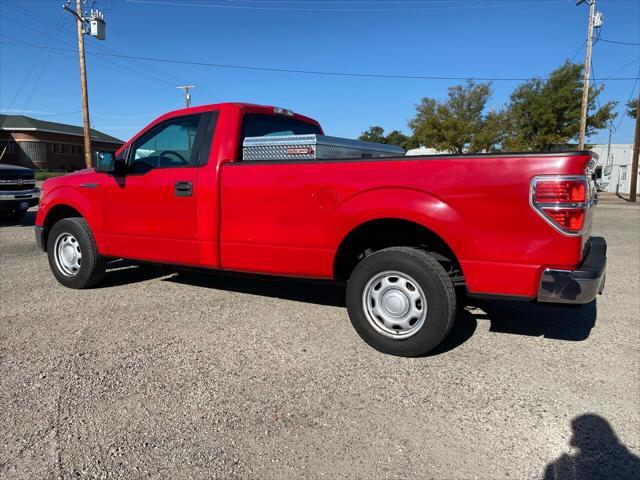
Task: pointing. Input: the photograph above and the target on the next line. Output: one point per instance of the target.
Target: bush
(44, 174)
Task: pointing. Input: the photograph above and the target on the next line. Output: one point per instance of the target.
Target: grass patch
(43, 175)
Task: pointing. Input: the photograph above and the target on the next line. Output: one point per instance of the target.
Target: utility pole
(587, 71)
(86, 126)
(609, 144)
(636, 154)
(95, 27)
(187, 95)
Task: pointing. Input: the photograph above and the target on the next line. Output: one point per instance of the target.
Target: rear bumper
(576, 286)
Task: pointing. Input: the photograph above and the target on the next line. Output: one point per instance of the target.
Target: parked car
(402, 232)
(18, 192)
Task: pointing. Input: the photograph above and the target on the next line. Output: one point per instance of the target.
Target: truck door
(150, 213)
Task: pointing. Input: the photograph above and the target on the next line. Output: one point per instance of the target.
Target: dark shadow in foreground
(518, 318)
(123, 272)
(29, 220)
(599, 455)
(299, 290)
(573, 322)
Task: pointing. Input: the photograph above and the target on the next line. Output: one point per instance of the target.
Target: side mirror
(107, 162)
(119, 166)
(104, 162)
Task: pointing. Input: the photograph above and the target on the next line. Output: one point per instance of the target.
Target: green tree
(632, 107)
(395, 137)
(546, 112)
(460, 123)
(374, 134)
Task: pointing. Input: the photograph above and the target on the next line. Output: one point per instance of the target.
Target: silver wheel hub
(394, 304)
(67, 254)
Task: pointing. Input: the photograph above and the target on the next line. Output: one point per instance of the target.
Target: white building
(613, 172)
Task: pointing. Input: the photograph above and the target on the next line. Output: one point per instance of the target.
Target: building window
(10, 146)
(56, 148)
(76, 149)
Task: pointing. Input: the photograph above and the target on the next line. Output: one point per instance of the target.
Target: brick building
(43, 145)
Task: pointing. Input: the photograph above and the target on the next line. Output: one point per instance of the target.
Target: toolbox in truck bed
(313, 146)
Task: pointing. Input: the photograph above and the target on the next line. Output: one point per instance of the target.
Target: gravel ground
(165, 375)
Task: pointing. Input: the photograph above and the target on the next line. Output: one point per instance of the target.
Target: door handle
(183, 189)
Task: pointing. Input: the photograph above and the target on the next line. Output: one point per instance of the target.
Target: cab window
(260, 125)
(168, 145)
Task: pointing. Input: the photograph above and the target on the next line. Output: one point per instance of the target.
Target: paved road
(161, 375)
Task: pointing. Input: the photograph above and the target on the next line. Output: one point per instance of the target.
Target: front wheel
(401, 301)
(73, 256)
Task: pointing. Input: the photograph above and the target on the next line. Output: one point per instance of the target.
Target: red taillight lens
(560, 191)
(562, 201)
(569, 219)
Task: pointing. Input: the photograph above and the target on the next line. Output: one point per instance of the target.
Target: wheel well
(56, 214)
(390, 232)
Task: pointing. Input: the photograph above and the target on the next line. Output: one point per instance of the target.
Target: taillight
(562, 201)
(559, 191)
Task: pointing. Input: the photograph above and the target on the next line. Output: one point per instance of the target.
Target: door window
(168, 145)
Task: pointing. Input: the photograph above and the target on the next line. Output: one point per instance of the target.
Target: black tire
(435, 285)
(91, 267)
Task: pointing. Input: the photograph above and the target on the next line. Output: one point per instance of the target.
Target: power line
(95, 62)
(37, 82)
(300, 71)
(149, 68)
(618, 43)
(25, 79)
(633, 89)
(595, 84)
(425, 6)
(578, 51)
(102, 115)
(31, 27)
(58, 114)
(58, 26)
(110, 62)
(621, 68)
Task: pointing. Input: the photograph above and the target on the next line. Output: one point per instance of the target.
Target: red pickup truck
(404, 233)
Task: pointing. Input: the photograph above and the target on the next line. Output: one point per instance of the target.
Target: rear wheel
(401, 301)
(73, 256)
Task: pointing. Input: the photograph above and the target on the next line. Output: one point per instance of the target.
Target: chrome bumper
(577, 286)
(19, 199)
(20, 194)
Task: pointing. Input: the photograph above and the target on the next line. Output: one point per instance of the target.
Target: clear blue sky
(453, 38)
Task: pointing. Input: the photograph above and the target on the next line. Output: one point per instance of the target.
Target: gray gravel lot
(165, 375)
